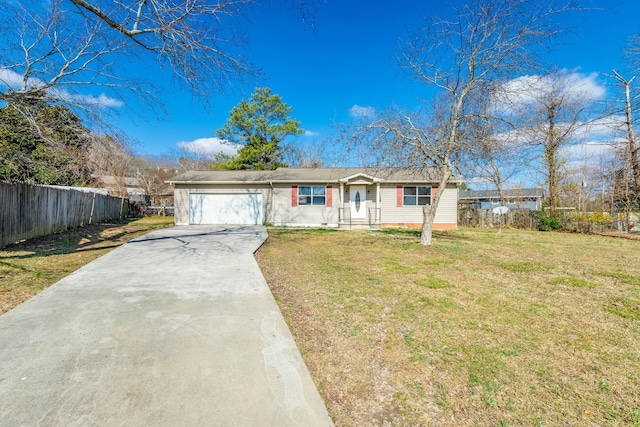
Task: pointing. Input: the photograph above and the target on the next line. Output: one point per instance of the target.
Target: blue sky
(347, 65)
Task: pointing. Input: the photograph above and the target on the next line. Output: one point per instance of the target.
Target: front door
(358, 201)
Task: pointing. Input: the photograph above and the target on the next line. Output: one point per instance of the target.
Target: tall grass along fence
(28, 211)
(591, 222)
(485, 218)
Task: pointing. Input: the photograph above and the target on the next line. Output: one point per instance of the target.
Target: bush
(588, 222)
(548, 223)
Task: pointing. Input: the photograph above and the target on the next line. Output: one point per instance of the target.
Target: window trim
(312, 195)
(416, 195)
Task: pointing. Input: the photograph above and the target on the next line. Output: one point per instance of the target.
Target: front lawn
(481, 328)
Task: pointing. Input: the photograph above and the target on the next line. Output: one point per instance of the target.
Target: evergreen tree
(42, 144)
(258, 126)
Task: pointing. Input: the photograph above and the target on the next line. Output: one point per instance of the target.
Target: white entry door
(358, 201)
(245, 209)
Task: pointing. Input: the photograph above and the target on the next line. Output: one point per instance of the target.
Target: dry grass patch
(31, 266)
(518, 328)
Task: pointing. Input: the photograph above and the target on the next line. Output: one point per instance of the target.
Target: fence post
(93, 204)
(531, 221)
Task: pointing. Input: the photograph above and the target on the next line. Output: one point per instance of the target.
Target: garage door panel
(241, 209)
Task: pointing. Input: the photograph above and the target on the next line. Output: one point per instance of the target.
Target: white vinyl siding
(283, 213)
(277, 204)
(393, 214)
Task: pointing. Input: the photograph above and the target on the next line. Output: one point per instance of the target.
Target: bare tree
(579, 187)
(497, 155)
(553, 112)
(487, 42)
(629, 104)
(56, 51)
(111, 162)
(623, 198)
(309, 155)
(152, 172)
(195, 158)
(78, 52)
(497, 162)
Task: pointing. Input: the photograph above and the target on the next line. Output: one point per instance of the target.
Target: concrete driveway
(177, 328)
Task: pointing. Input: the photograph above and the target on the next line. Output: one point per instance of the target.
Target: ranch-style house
(314, 197)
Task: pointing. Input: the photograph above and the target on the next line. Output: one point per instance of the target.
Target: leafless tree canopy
(69, 49)
(628, 105)
(550, 112)
(465, 59)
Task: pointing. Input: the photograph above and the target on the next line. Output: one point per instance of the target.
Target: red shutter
(329, 194)
(434, 190)
(294, 195)
(399, 196)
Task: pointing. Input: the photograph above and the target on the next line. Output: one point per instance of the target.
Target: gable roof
(310, 175)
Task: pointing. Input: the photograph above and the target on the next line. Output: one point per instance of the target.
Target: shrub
(548, 223)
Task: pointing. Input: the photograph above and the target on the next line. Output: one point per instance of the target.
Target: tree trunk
(428, 215)
(551, 158)
(429, 211)
(633, 148)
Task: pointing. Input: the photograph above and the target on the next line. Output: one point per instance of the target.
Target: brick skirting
(419, 226)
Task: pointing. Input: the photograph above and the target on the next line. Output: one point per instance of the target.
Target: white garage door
(245, 209)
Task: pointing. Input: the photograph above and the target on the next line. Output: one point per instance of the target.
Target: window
(314, 195)
(419, 195)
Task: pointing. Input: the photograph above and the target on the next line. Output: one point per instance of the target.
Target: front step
(359, 226)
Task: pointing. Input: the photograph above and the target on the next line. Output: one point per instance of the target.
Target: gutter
(295, 181)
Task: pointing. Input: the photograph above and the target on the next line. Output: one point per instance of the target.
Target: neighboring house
(519, 198)
(123, 185)
(313, 197)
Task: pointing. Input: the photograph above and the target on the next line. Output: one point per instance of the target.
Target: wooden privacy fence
(28, 211)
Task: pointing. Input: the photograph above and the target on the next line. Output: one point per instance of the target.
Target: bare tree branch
(66, 51)
(629, 104)
(465, 59)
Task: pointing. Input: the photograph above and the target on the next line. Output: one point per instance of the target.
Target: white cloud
(608, 127)
(99, 101)
(208, 147)
(13, 80)
(525, 90)
(358, 112)
(588, 151)
(310, 133)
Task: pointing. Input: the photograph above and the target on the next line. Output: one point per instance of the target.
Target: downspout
(378, 213)
(341, 210)
(270, 200)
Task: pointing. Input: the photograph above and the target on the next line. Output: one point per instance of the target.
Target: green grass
(521, 267)
(625, 278)
(572, 281)
(521, 328)
(628, 308)
(432, 282)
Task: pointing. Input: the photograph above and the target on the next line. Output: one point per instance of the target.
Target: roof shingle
(325, 175)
